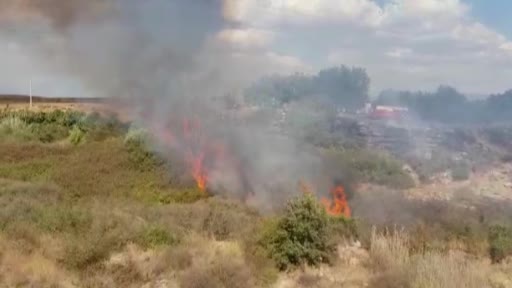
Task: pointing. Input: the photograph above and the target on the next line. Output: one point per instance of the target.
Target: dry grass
(396, 267)
(389, 251)
(434, 270)
(34, 269)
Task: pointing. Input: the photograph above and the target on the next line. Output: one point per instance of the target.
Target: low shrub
(15, 128)
(136, 143)
(500, 243)
(342, 228)
(62, 218)
(256, 255)
(227, 220)
(301, 235)
(76, 135)
(219, 274)
(178, 258)
(156, 236)
(367, 166)
(49, 132)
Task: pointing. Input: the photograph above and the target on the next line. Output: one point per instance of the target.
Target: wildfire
(195, 155)
(197, 169)
(339, 204)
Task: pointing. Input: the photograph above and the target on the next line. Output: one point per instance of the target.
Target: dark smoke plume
(164, 60)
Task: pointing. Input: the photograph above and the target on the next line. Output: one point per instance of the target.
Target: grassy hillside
(83, 203)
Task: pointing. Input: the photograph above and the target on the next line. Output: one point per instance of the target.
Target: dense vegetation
(347, 87)
(344, 88)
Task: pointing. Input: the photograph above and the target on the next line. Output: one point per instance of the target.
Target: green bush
(301, 235)
(49, 132)
(500, 243)
(76, 135)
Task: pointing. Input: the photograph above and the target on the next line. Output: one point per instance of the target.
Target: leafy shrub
(500, 242)
(76, 135)
(301, 235)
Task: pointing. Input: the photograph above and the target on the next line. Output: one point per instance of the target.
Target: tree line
(348, 88)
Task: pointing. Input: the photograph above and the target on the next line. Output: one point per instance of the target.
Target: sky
(402, 44)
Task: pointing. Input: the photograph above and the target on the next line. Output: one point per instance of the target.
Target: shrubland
(85, 202)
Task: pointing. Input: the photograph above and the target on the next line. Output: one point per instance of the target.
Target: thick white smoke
(165, 60)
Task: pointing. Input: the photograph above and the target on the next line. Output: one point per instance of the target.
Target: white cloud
(268, 12)
(425, 8)
(409, 44)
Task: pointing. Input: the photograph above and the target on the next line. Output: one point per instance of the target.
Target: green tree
(301, 235)
(347, 87)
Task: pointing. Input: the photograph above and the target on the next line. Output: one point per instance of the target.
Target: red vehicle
(387, 112)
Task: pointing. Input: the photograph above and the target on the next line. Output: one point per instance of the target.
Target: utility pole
(30, 87)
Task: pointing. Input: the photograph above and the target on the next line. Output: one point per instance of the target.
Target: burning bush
(301, 235)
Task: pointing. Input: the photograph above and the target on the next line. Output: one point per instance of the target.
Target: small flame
(198, 171)
(195, 157)
(339, 205)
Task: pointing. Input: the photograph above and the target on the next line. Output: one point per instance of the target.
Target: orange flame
(339, 206)
(198, 172)
(195, 157)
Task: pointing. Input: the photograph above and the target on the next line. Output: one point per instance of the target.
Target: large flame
(338, 206)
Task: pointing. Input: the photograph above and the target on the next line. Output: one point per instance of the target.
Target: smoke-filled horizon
(166, 61)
